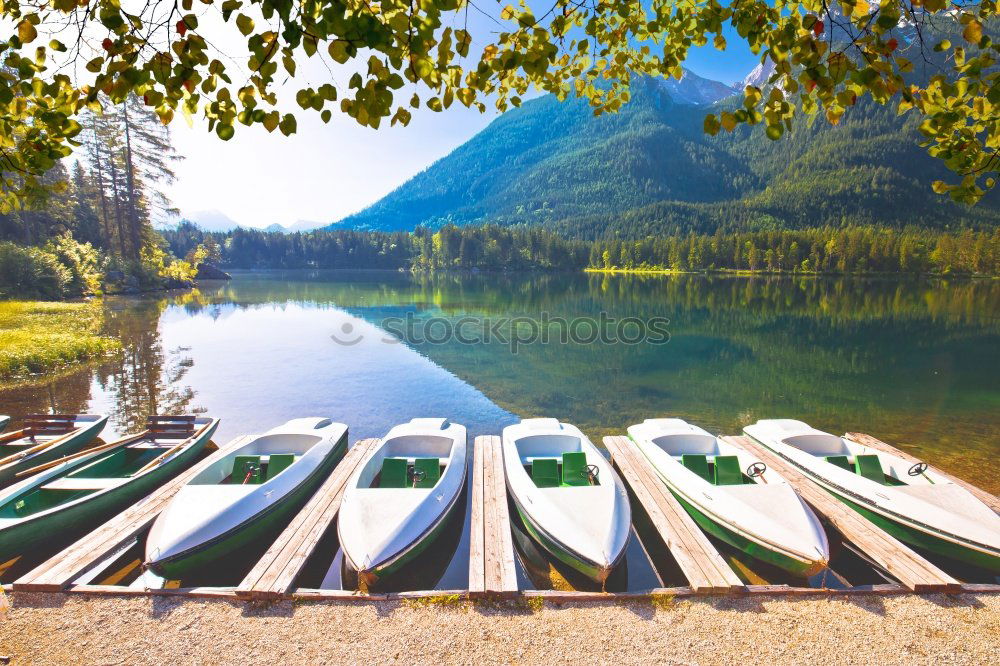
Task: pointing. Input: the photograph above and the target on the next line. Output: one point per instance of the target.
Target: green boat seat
(727, 471)
(426, 472)
(393, 473)
(574, 469)
(840, 461)
(278, 463)
(545, 472)
(243, 465)
(697, 463)
(870, 468)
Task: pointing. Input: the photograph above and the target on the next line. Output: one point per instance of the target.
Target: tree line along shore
(850, 250)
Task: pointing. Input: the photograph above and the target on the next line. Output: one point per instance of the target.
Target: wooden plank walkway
(62, 569)
(275, 573)
(491, 545)
(986, 498)
(702, 564)
(909, 568)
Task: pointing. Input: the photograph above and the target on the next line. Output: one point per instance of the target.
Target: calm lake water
(916, 363)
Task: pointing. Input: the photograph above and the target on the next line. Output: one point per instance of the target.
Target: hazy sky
(325, 172)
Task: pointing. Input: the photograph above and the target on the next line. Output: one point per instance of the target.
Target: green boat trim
(752, 545)
(927, 541)
(564, 553)
(68, 520)
(251, 530)
(83, 436)
(904, 528)
(407, 555)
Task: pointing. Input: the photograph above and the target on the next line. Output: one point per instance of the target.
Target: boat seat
(278, 463)
(242, 465)
(393, 473)
(840, 461)
(870, 468)
(574, 469)
(545, 472)
(426, 472)
(697, 463)
(727, 471)
(83, 483)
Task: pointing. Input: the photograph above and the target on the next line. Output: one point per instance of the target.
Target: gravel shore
(939, 629)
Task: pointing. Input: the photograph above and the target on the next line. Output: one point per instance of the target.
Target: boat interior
(259, 461)
(835, 451)
(556, 461)
(702, 455)
(107, 471)
(409, 461)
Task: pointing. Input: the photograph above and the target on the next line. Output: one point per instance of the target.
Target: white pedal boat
(245, 497)
(913, 503)
(569, 498)
(400, 498)
(733, 496)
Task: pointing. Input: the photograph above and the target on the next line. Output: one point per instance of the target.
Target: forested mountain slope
(650, 169)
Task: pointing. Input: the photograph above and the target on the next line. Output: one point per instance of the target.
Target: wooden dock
(906, 566)
(59, 571)
(702, 564)
(275, 573)
(986, 498)
(491, 545)
(492, 570)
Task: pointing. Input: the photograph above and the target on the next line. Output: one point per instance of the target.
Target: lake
(913, 362)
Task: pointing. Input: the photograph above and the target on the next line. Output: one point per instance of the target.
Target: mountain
(304, 225)
(274, 228)
(650, 169)
(212, 220)
(694, 89)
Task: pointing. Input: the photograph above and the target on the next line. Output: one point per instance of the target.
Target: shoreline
(41, 628)
(757, 273)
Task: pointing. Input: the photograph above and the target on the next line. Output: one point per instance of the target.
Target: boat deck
(492, 571)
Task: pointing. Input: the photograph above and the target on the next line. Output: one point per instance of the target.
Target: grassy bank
(37, 337)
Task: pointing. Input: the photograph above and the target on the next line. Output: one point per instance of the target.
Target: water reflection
(914, 362)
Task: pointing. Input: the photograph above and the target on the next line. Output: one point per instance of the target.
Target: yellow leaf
(728, 121)
(26, 31)
(973, 32)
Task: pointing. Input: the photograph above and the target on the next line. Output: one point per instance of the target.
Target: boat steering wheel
(418, 475)
(756, 469)
(917, 469)
(590, 472)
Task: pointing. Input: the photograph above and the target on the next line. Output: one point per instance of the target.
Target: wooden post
(702, 564)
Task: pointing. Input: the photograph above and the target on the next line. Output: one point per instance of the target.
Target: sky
(325, 172)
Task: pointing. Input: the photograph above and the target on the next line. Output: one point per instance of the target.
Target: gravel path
(62, 629)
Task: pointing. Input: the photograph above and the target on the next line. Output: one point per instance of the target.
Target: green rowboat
(72, 495)
(45, 437)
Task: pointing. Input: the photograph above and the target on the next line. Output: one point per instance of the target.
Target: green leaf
(338, 51)
(244, 23)
(287, 125)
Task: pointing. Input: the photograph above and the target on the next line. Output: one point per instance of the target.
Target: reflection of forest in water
(144, 379)
(912, 361)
